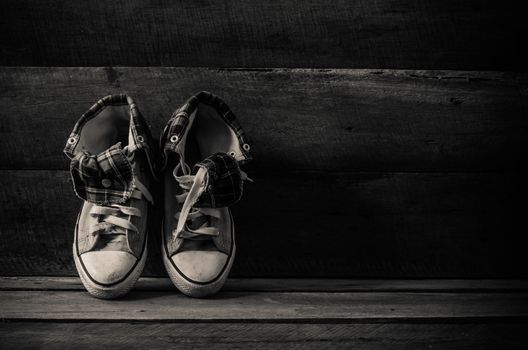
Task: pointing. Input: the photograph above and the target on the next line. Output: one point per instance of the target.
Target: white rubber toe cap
(200, 266)
(107, 267)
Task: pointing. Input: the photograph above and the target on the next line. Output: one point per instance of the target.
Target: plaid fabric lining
(103, 179)
(180, 119)
(224, 186)
(139, 127)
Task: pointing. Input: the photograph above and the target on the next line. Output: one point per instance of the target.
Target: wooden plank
(261, 336)
(346, 120)
(258, 307)
(282, 33)
(308, 224)
(286, 285)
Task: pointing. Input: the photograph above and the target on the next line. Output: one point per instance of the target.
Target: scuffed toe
(108, 267)
(200, 266)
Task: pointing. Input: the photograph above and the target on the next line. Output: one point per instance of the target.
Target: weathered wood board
(308, 224)
(93, 335)
(339, 120)
(437, 34)
(62, 283)
(268, 314)
(322, 307)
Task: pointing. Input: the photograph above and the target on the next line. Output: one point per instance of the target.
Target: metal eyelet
(71, 140)
(246, 147)
(232, 154)
(174, 139)
(140, 138)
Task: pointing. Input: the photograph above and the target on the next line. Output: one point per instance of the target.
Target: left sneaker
(112, 168)
(203, 145)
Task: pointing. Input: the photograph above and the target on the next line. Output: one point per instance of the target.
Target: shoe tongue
(114, 242)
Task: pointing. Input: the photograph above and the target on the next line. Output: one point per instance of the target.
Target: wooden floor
(56, 312)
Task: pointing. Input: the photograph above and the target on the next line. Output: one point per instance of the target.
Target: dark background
(389, 136)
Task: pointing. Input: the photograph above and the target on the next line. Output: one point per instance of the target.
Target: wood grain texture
(22, 283)
(44, 335)
(258, 307)
(438, 34)
(308, 224)
(346, 120)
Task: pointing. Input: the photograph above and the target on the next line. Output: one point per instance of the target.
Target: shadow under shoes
(112, 166)
(203, 146)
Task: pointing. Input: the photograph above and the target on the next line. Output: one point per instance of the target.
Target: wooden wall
(389, 137)
(410, 34)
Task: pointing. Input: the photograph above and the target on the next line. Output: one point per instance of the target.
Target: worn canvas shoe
(112, 167)
(203, 145)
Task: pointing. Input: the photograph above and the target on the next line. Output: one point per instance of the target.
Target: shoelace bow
(193, 186)
(112, 217)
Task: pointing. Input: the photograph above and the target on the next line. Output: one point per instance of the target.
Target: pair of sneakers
(114, 164)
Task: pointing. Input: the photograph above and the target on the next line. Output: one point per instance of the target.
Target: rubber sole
(197, 290)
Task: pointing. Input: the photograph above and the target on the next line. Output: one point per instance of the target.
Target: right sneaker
(203, 145)
(112, 167)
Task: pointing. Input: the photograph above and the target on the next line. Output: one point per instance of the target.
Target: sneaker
(111, 152)
(203, 145)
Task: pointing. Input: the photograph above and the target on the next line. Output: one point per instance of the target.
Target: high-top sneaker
(112, 167)
(203, 145)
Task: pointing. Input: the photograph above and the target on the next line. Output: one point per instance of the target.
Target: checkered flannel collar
(224, 176)
(177, 125)
(224, 181)
(108, 178)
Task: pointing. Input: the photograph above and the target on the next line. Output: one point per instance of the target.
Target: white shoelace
(115, 219)
(193, 186)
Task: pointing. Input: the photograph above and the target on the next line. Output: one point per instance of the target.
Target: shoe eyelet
(232, 154)
(140, 138)
(71, 140)
(246, 147)
(174, 139)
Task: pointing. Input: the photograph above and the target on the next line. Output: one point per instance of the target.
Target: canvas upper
(203, 146)
(113, 161)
